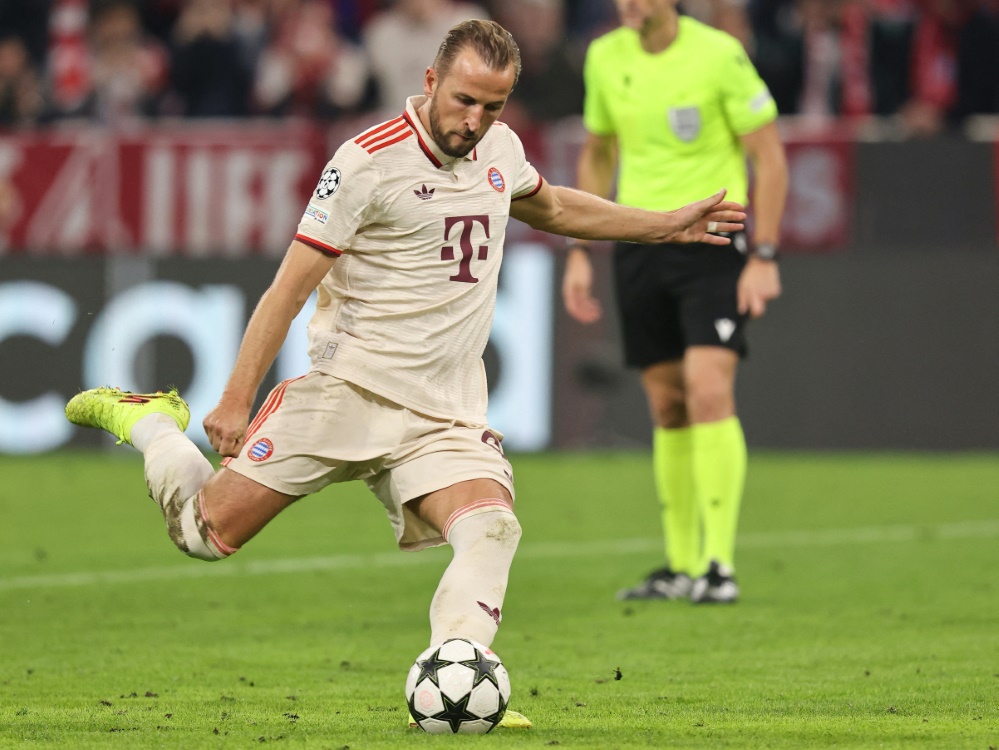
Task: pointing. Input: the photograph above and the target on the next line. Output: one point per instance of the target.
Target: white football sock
(469, 600)
(176, 472)
(176, 469)
(147, 429)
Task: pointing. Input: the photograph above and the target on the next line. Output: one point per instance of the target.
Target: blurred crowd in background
(926, 64)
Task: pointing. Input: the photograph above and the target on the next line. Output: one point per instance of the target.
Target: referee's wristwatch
(766, 251)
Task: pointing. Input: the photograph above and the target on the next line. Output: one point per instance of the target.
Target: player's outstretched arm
(574, 213)
(299, 274)
(700, 220)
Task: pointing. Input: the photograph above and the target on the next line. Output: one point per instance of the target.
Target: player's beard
(443, 140)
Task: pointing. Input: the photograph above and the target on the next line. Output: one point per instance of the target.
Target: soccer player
(403, 238)
(683, 106)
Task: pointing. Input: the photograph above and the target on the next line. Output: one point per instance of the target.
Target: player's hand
(225, 427)
(577, 289)
(758, 285)
(698, 222)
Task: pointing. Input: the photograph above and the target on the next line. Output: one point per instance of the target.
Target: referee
(681, 106)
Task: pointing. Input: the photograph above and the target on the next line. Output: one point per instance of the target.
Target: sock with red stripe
(469, 600)
(191, 531)
(176, 471)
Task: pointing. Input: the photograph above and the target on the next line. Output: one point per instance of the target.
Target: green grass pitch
(869, 619)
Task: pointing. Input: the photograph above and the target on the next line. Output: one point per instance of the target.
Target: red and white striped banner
(195, 191)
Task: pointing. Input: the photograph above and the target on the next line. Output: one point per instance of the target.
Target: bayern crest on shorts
(496, 180)
(261, 450)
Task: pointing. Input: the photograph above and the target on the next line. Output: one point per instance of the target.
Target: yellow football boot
(116, 411)
(510, 720)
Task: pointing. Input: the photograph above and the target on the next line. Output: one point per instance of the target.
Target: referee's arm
(595, 170)
(760, 280)
(597, 164)
(766, 154)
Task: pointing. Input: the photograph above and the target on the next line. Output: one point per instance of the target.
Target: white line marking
(545, 550)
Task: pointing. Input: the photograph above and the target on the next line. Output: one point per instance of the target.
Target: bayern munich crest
(329, 183)
(496, 180)
(260, 450)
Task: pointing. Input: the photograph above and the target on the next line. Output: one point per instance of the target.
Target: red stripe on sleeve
(317, 245)
(541, 181)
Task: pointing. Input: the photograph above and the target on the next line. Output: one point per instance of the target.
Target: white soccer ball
(457, 687)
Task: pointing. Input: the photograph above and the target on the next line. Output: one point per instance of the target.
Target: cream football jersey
(406, 310)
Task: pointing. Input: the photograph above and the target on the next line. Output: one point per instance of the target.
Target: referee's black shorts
(671, 297)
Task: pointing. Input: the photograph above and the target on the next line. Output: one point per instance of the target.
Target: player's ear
(430, 81)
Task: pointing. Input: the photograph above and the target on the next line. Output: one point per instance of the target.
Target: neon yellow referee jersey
(677, 114)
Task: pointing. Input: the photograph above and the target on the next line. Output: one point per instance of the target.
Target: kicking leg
(208, 516)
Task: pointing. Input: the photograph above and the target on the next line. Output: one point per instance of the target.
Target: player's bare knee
(671, 415)
(491, 521)
(667, 406)
(190, 530)
(707, 403)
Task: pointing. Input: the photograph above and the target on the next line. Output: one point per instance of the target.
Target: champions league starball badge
(328, 183)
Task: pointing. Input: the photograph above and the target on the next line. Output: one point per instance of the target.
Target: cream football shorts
(317, 430)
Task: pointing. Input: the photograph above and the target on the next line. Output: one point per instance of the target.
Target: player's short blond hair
(494, 44)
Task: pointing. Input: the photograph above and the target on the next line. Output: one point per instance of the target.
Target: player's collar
(427, 144)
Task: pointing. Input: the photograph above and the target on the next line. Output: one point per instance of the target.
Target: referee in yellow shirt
(681, 107)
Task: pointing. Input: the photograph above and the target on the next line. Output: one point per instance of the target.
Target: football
(457, 687)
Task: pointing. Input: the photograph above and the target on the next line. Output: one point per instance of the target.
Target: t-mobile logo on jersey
(465, 243)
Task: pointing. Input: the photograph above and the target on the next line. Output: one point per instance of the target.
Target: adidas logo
(725, 328)
(493, 612)
(425, 195)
